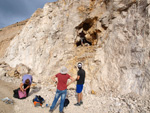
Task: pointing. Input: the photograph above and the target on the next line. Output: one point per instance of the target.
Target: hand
(22, 90)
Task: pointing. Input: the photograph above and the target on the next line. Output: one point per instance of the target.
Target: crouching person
(26, 83)
(23, 91)
(61, 91)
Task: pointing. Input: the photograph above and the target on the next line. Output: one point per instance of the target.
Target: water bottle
(47, 105)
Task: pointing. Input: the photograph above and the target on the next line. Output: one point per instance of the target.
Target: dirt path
(6, 90)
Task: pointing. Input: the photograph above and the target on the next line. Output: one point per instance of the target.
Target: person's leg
(81, 102)
(79, 97)
(63, 97)
(79, 91)
(81, 42)
(78, 100)
(27, 91)
(57, 95)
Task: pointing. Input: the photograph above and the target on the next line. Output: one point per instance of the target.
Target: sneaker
(81, 102)
(61, 112)
(77, 104)
(51, 111)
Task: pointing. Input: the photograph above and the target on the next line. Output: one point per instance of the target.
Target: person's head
(27, 81)
(80, 65)
(63, 70)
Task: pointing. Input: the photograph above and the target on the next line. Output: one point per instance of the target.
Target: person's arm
(78, 77)
(72, 80)
(21, 87)
(53, 78)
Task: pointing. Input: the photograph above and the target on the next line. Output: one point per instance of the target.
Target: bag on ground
(66, 102)
(17, 94)
(38, 101)
(22, 94)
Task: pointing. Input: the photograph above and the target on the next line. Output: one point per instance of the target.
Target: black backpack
(16, 95)
(38, 98)
(66, 102)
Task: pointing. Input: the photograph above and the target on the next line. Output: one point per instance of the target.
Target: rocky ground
(93, 103)
(6, 90)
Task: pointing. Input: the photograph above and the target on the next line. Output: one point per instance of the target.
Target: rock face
(8, 33)
(18, 71)
(115, 51)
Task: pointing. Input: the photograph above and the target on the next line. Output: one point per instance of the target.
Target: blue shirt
(25, 77)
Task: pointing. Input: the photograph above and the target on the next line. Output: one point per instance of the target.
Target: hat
(79, 65)
(63, 70)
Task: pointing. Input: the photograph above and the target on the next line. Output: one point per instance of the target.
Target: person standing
(80, 82)
(61, 91)
(82, 37)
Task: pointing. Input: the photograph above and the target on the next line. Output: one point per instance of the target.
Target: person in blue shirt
(26, 83)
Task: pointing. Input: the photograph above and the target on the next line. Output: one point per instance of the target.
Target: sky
(12, 11)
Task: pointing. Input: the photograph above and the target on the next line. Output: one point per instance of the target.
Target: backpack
(38, 101)
(66, 102)
(22, 94)
(17, 94)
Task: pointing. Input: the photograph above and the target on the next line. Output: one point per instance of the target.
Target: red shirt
(62, 81)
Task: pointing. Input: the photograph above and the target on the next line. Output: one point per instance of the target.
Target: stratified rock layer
(116, 48)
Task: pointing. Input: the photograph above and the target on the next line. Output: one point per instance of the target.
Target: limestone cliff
(8, 33)
(115, 52)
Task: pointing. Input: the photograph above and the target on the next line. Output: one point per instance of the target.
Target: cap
(79, 65)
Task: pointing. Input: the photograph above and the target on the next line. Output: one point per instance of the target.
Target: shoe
(81, 102)
(51, 111)
(61, 112)
(77, 104)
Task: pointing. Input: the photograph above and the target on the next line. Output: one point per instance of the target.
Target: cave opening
(86, 26)
(86, 32)
(83, 40)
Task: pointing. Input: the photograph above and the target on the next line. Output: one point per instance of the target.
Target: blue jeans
(59, 93)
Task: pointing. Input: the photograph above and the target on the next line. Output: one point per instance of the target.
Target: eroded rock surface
(115, 52)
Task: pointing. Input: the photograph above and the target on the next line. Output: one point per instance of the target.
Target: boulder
(2, 72)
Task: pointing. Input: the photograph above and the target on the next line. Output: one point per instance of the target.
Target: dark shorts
(79, 88)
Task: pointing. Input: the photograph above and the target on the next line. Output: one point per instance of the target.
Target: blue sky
(12, 11)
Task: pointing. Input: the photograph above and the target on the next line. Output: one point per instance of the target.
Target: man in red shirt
(61, 91)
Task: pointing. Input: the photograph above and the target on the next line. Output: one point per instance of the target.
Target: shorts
(79, 88)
